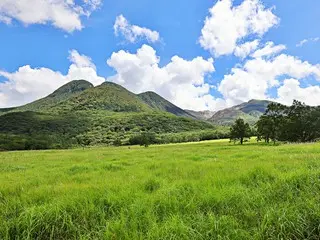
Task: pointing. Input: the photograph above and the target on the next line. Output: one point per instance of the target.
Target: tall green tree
(270, 125)
(265, 129)
(300, 121)
(240, 130)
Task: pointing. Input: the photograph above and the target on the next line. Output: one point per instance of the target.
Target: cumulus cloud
(228, 24)
(243, 50)
(28, 84)
(268, 50)
(62, 14)
(291, 90)
(133, 32)
(257, 76)
(80, 61)
(180, 81)
(305, 41)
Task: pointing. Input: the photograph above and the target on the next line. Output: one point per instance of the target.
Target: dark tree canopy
(240, 130)
(270, 123)
(295, 123)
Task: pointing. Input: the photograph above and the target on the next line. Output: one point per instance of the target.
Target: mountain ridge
(201, 115)
(82, 95)
(250, 111)
(157, 102)
(78, 113)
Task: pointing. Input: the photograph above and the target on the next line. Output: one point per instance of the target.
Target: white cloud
(28, 84)
(304, 41)
(133, 32)
(81, 61)
(268, 50)
(242, 51)
(62, 14)
(257, 76)
(291, 90)
(228, 24)
(180, 81)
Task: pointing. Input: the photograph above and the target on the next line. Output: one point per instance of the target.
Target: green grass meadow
(208, 190)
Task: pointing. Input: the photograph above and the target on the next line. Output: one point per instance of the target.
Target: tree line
(28, 130)
(296, 123)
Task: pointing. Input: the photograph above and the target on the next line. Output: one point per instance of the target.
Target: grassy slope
(210, 190)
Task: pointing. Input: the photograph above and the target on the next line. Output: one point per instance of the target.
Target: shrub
(144, 139)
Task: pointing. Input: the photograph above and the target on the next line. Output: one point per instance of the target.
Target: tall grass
(208, 190)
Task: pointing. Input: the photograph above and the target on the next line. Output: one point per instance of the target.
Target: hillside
(6, 110)
(79, 113)
(157, 102)
(249, 111)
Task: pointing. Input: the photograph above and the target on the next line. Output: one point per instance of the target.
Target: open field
(208, 190)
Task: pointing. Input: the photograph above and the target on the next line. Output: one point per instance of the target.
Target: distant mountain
(157, 102)
(249, 111)
(201, 115)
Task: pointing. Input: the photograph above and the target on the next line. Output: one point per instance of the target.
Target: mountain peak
(249, 111)
(72, 87)
(107, 83)
(63, 93)
(108, 96)
(257, 100)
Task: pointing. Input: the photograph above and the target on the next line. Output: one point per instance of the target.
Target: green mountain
(108, 97)
(78, 113)
(157, 102)
(5, 110)
(69, 90)
(249, 111)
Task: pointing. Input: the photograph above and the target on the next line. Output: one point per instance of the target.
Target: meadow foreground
(208, 190)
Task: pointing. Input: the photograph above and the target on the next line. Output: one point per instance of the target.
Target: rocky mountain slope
(249, 111)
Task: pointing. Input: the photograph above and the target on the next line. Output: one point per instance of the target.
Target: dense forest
(35, 130)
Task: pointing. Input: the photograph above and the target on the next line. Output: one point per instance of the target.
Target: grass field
(208, 190)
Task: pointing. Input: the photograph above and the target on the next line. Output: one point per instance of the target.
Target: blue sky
(44, 45)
